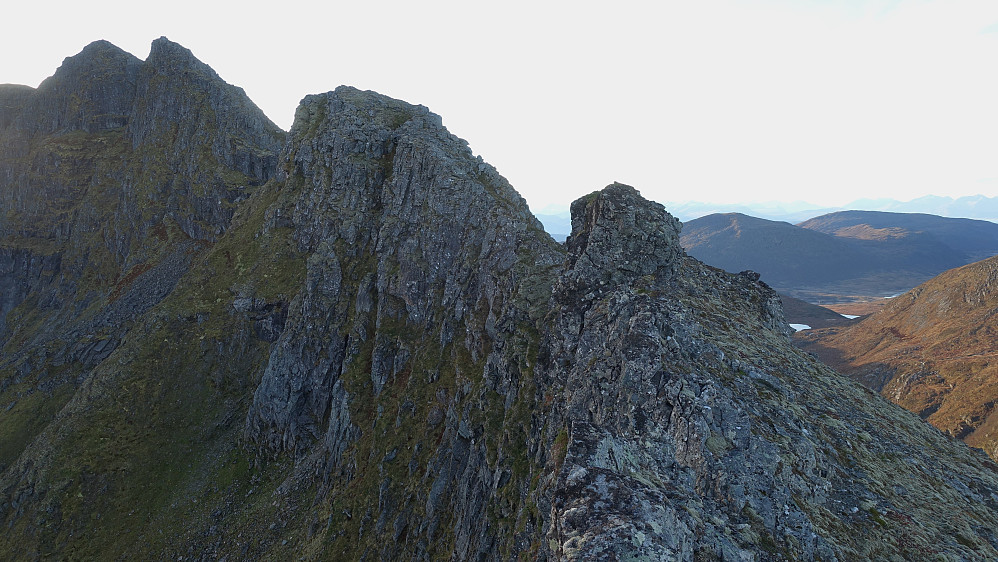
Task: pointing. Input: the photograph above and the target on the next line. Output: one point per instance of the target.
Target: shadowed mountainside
(115, 175)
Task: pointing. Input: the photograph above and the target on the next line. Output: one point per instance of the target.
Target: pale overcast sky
(707, 100)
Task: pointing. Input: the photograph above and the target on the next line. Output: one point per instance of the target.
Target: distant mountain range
(931, 351)
(557, 220)
(558, 225)
(971, 207)
(974, 239)
(858, 253)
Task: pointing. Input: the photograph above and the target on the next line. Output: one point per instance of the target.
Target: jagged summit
(173, 59)
(625, 236)
(429, 259)
(114, 176)
(95, 57)
(91, 91)
(384, 125)
(163, 51)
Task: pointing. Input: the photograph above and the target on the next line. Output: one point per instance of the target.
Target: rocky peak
(178, 116)
(92, 91)
(408, 233)
(114, 174)
(432, 272)
(618, 237)
(179, 97)
(97, 61)
(167, 56)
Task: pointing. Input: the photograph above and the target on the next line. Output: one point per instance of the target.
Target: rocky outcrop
(423, 265)
(679, 429)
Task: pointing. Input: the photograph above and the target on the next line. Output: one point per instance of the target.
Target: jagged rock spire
(617, 238)
(623, 235)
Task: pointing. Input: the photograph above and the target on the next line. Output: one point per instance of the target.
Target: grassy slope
(933, 350)
(147, 451)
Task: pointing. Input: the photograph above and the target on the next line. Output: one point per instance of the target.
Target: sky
(724, 101)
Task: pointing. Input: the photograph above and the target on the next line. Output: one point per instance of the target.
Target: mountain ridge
(978, 207)
(98, 227)
(374, 350)
(977, 239)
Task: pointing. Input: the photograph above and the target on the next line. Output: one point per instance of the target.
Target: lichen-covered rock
(688, 428)
(423, 267)
(617, 237)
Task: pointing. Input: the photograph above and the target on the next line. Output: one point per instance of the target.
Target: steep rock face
(12, 100)
(423, 278)
(687, 427)
(115, 173)
(184, 106)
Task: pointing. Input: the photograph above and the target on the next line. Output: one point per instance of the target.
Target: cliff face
(424, 272)
(114, 175)
(379, 354)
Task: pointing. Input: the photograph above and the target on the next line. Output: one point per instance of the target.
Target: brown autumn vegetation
(932, 350)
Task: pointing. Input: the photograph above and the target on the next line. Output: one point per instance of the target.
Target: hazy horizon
(791, 206)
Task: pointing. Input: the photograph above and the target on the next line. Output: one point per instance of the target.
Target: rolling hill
(841, 256)
(974, 239)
